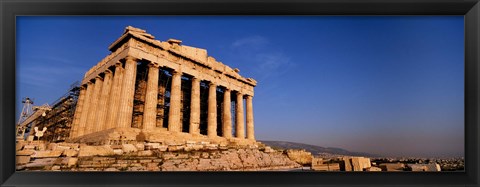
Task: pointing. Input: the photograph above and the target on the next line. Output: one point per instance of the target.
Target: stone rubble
(300, 156)
(190, 156)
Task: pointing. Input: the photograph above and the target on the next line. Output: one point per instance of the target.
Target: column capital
(153, 65)
(118, 64)
(108, 71)
(248, 96)
(98, 77)
(89, 82)
(195, 79)
(212, 84)
(176, 72)
(130, 58)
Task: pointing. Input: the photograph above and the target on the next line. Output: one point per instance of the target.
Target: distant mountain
(314, 149)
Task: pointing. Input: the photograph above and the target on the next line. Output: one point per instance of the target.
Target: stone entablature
(111, 92)
(189, 60)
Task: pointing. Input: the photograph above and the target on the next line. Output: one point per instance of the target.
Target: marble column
(161, 104)
(103, 101)
(151, 98)
(239, 124)
(126, 96)
(195, 107)
(93, 111)
(113, 103)
(85, 110)
(227, 114)
(78, 112)
(250, 127)
(212, 110)
(174, 123)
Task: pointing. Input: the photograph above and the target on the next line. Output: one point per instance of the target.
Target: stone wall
(191, 156)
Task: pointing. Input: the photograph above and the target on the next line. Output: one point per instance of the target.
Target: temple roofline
(174, 46)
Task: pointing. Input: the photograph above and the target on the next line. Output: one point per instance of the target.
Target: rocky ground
(188, 156)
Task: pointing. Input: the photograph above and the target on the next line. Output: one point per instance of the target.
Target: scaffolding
(57, 118)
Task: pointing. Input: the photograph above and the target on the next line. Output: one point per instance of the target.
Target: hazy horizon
(388, 85)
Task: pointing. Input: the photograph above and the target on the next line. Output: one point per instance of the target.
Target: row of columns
(174, 123)
(107, 102)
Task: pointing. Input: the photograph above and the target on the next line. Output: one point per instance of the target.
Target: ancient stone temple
(149, 90)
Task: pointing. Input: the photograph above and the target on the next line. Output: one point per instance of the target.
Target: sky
(388, 85)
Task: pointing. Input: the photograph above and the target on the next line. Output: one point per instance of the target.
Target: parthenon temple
(147, 89)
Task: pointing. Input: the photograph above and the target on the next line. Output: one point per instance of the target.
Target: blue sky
(391, 85)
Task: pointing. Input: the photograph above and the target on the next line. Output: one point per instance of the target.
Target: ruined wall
(192, 156)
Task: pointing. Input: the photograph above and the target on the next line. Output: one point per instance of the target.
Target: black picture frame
(11, 8)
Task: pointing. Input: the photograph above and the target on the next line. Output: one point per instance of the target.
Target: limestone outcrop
(300, 156)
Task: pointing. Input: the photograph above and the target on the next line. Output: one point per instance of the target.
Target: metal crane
(28, 115)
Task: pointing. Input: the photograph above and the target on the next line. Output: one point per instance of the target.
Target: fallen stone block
(23, 159)
(191, 142)
(47, 154)
(129, 148)
(25, 152)
(20, 167)
(95, 151)
(70, 153)
(167, 156)
(152, 145)
(118, 151)
(61, 147)
(197, 147)
(162, 148)
(40, 163)
(111, 169)
(140, 146)
(268, 149)
(145, 153)
(152, 167)
(374, 169)
(29, 147)
(175, 148)
(69, 161)
(41, 147)
(19, 146)
(116, 146)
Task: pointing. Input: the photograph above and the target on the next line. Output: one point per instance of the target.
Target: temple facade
(150, 85)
